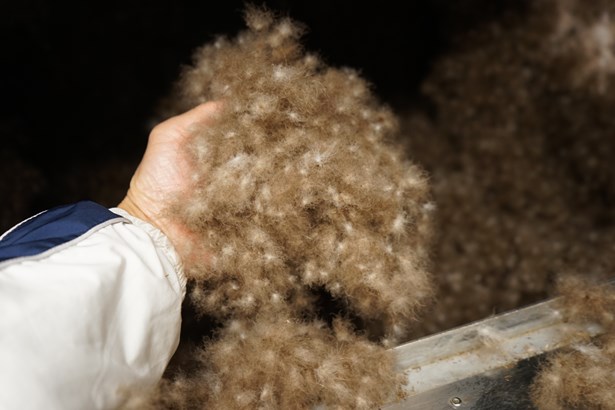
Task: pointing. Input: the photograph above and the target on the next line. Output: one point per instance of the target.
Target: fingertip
(201, 115)
(211, 105)
(203, 112)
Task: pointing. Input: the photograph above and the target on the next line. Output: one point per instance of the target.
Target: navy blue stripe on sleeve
(52, 228)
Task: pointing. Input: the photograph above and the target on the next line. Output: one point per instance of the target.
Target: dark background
(519, 154)
(81, 81)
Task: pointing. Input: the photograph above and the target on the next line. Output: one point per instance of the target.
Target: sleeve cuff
(162, 243)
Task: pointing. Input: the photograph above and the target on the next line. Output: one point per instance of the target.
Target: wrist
(128, 205)
(180, 236)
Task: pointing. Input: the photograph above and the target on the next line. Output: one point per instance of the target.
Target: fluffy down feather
(299, 193)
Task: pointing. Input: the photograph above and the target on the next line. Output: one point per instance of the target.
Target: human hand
(165, 172)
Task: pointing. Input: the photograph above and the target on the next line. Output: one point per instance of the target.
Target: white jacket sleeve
(87, 313)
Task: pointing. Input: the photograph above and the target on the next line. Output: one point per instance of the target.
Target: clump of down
(581, 376)
(300, 198)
